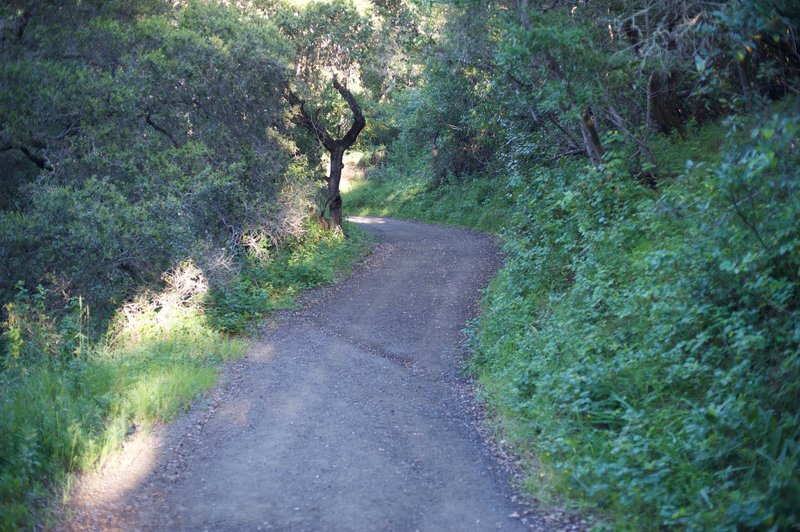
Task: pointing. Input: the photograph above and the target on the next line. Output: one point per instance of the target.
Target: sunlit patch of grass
(62, 415)
(475, 202)
(164, 392)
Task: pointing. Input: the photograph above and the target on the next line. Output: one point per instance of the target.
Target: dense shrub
(137, 136)
(316, 257)
(646, 345)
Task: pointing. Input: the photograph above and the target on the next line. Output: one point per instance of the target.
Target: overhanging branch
(163, 131)
(39, 160)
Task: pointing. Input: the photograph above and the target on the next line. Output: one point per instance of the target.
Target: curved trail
(351, 414)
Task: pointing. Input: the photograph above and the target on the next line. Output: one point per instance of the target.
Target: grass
(60, 413)
(316, 258)
(477, 202)
(62, 416)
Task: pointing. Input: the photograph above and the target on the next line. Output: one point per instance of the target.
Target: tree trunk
(334, 199)
(591, 138)
(664, 103)
(744, 79)
(336, 147)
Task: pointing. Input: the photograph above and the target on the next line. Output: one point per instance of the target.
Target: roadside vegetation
(67, 400)
(158, 202)
(640, 347)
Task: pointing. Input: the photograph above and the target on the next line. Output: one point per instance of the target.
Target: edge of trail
(351, 412)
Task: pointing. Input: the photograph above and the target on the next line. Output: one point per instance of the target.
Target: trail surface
(351, 414)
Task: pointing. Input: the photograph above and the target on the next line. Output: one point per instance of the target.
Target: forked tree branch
(358, 117)
(315, 126)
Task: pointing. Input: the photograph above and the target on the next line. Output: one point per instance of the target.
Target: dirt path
(351, 414)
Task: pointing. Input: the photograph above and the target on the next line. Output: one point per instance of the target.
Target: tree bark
(335, 176)
(335, 147)
(744, 79)
(591, 138)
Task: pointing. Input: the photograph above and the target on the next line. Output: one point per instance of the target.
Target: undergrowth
(65, 402)
(642, 346)
(316, 257)
(408, 192)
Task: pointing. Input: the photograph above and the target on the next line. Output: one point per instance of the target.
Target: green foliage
(646, 346)
(408, 192)
(138, 137)
(330, 36)
(59, 414)
(33, 332)
(446, 111)
(315, 258)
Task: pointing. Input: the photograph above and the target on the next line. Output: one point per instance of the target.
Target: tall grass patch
(411, 192)
(65, 404)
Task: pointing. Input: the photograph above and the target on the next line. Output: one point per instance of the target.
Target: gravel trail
(350, 414)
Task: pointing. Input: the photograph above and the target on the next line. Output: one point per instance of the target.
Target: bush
(645, 345)
(271, 282)
(155, 138)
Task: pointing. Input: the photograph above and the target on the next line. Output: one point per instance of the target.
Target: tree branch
(39, 160)
(314, 126)
(358, 117)
(616, 120)
(23, 23)
(173, 141)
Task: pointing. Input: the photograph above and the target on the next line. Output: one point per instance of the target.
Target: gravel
(351, 413)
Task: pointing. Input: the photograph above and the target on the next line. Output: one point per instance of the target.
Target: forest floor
(349, 413)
